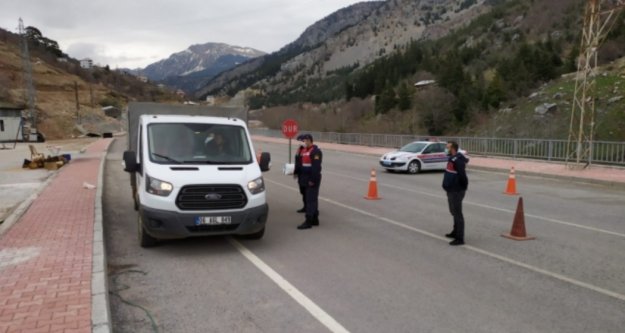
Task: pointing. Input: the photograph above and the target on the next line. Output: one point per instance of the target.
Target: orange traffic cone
(511, 187)
(373, 187)
(518, 225)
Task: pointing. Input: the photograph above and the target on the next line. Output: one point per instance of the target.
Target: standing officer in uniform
(310, 178)
(297, 173)
(455, 183)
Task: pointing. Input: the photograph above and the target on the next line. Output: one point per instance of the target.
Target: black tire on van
(145, 240)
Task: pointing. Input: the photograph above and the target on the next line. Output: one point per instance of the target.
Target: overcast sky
(135, 33)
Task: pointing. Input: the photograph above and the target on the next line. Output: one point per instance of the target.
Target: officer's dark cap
(303, 137)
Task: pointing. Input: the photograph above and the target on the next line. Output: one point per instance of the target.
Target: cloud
(85, 50)
(139, 32)
(104, 55)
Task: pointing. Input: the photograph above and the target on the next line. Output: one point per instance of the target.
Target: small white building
(424, 83)
(10, 123)
(210, 100)
(86, 63)
(142, 78)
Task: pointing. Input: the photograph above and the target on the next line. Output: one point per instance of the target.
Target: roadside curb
(100, 308)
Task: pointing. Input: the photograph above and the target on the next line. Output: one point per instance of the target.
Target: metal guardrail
(603, 152)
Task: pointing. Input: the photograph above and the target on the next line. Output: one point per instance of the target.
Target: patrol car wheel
(414, 167)
(145, 240)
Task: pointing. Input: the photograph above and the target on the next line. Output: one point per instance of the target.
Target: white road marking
(570, 224)
(469, 247)
(297, 295)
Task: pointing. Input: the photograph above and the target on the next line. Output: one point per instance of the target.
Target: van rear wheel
(145, 240)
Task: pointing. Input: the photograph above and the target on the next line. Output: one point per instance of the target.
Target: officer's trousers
(454, 199)
(312, 201)
(302, 191)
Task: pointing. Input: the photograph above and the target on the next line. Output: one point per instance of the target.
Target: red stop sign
(290, 128)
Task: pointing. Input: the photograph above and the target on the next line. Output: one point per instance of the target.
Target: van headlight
(158, 187)
(256, 186)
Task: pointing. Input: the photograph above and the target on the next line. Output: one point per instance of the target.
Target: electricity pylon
(598, 21)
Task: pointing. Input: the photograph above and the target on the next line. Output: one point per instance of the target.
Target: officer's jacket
(455, 177)
(308, 164)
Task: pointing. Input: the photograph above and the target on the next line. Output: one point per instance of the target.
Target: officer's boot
(306, 225)
(302, 210)
(315, 220)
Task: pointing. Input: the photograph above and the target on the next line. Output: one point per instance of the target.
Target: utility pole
(29, 97)
(91, 93)
(77, 103)
(598, 21)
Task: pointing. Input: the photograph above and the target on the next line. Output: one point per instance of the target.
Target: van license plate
(213, 220)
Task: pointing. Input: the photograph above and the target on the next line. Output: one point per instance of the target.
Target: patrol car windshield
(414, 147)
(190, 143)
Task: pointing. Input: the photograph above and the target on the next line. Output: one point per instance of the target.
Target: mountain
(197, 63)
(496, 66)
(244, 75)
(348, 39)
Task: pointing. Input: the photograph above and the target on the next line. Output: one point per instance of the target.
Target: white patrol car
(417, 156)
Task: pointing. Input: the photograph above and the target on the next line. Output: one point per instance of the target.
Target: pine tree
(404, 97)
(385, 101)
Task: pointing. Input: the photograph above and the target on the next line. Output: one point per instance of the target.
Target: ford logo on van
(212, 196)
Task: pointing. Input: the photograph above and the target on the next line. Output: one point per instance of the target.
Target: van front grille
(211, 197)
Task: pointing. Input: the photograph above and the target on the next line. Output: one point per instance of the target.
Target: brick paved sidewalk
(594, 174)
(46, 257)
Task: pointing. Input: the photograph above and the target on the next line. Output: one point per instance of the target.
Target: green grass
(609, 118)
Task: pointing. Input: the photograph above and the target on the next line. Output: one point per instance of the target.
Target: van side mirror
(130, 161)
(264, 162)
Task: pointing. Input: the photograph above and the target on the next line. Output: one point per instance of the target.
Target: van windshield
(191, 143)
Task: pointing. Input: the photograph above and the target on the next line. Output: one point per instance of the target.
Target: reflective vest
(306, 160)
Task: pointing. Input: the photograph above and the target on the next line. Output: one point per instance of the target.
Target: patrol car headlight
(158, 187)
(256, 186)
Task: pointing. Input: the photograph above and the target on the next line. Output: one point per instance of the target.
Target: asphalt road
(379, 266)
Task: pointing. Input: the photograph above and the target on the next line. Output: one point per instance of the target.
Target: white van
(196, 176)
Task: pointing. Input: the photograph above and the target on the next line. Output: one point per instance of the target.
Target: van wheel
(256, 235)
(136, 200)
(145, 240)
(133, 187)
(414, 167)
